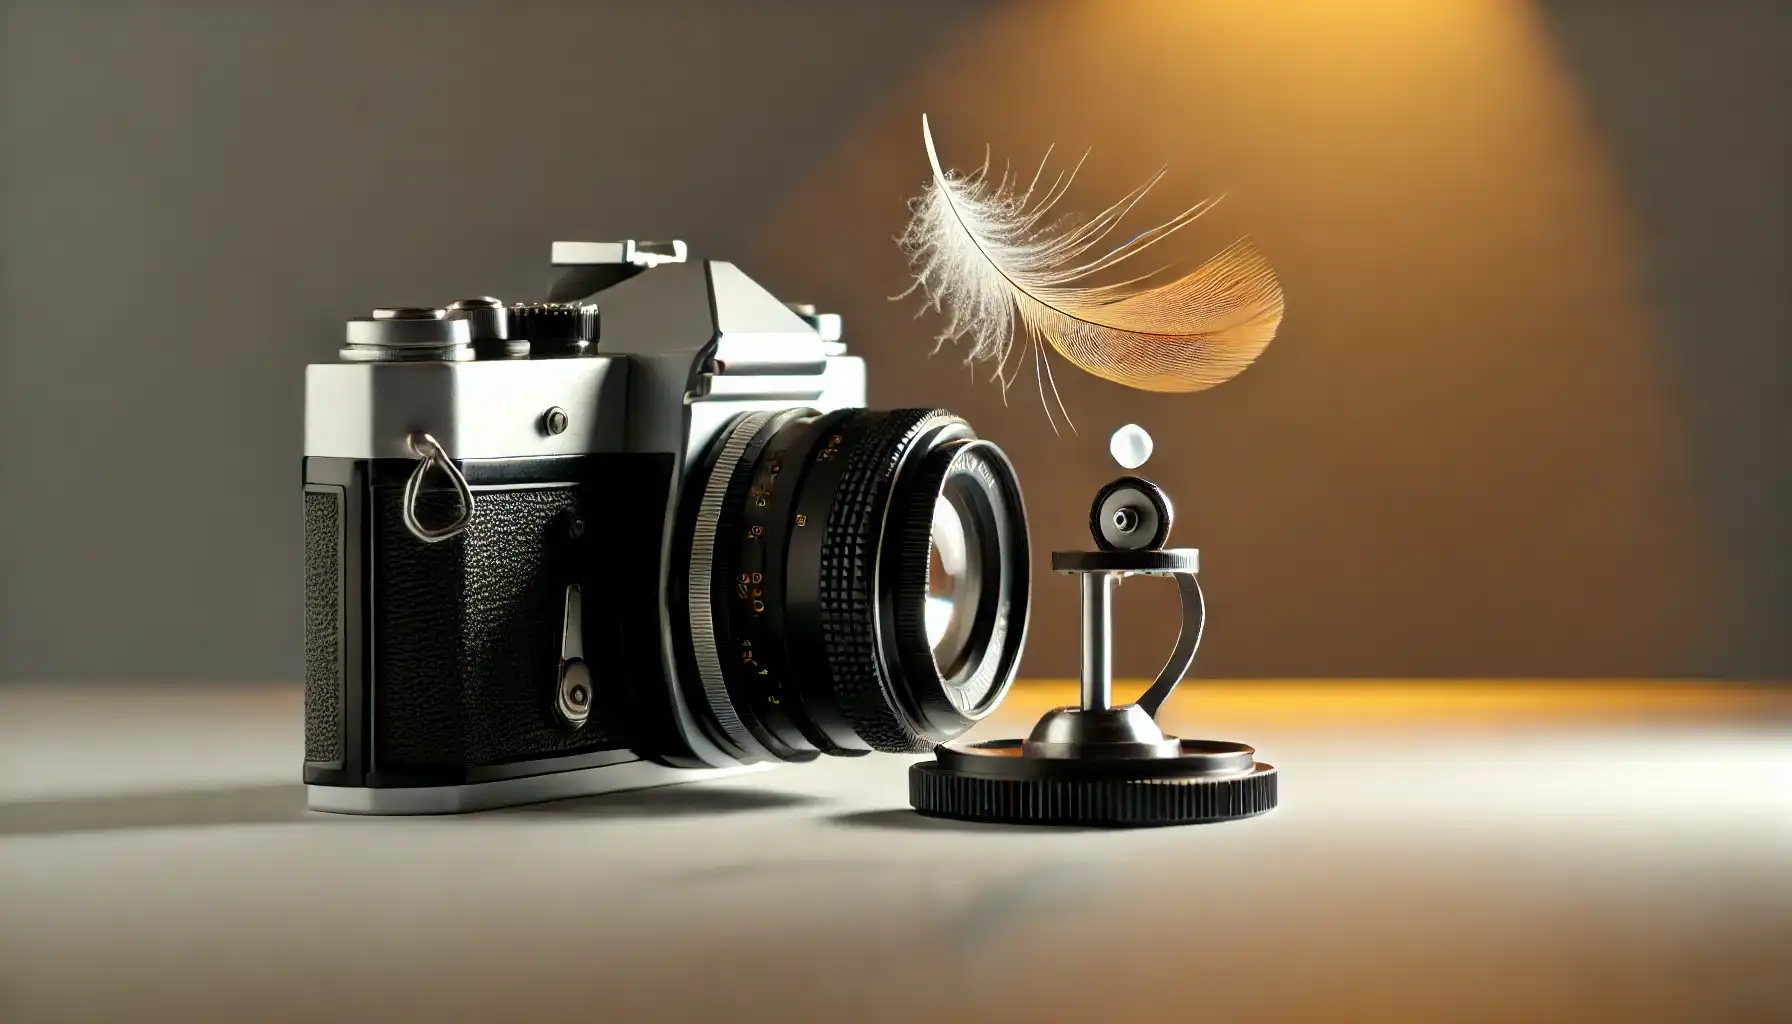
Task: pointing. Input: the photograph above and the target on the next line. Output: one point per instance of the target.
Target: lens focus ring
(849, 557)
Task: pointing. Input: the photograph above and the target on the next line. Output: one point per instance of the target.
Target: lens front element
(951, 586)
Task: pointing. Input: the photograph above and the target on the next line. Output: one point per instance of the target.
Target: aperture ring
(766, 672)
(700, 593)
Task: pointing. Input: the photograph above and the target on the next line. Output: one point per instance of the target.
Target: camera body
(492, 503)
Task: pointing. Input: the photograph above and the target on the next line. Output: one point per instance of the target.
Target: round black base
(1210, 781)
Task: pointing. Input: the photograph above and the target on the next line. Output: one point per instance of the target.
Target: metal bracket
(1098, 571)
(1194, 617)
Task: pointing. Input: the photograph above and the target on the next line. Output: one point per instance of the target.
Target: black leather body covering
(437, 664)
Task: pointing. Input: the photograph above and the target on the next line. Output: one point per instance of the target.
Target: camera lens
(857, 581)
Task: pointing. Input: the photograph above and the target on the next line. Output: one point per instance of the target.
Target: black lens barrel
(819, 581)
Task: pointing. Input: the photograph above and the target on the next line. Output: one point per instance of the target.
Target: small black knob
(555, 328)
(1130, 514)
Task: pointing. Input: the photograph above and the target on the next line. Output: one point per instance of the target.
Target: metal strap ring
(430, 453)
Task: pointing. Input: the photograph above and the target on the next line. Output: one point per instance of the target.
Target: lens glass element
(954, 574)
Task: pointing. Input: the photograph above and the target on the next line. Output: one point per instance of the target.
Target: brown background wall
(1494, 438)
(1460, 455)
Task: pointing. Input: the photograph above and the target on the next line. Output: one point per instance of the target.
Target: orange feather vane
(981, 254)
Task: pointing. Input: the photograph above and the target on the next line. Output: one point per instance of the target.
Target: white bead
(1130, 446)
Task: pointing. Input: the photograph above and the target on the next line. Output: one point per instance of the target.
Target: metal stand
(1097, 764)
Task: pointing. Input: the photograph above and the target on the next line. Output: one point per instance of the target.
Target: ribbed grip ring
(849, 579)
(1103, 802)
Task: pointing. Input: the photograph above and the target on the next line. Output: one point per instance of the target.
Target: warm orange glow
(1342, 701)
(1460, 455)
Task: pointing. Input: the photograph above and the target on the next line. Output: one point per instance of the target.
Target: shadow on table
(663, 802)
(234, 805)
(902, 819)
(284, 802)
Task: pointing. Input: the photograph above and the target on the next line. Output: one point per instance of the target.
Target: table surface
(1444, 851)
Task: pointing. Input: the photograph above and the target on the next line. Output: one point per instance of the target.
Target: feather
(984, 255)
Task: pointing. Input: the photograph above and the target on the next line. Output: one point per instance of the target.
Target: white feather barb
(984, 256)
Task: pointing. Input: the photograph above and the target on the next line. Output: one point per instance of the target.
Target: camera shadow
(275, 803)
(664, 802)
(284, 803)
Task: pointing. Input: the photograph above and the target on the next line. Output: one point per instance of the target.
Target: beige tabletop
(1448, 851)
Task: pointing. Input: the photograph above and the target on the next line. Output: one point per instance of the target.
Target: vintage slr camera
(639, 533)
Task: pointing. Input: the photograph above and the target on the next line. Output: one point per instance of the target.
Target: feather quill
(984, 255)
